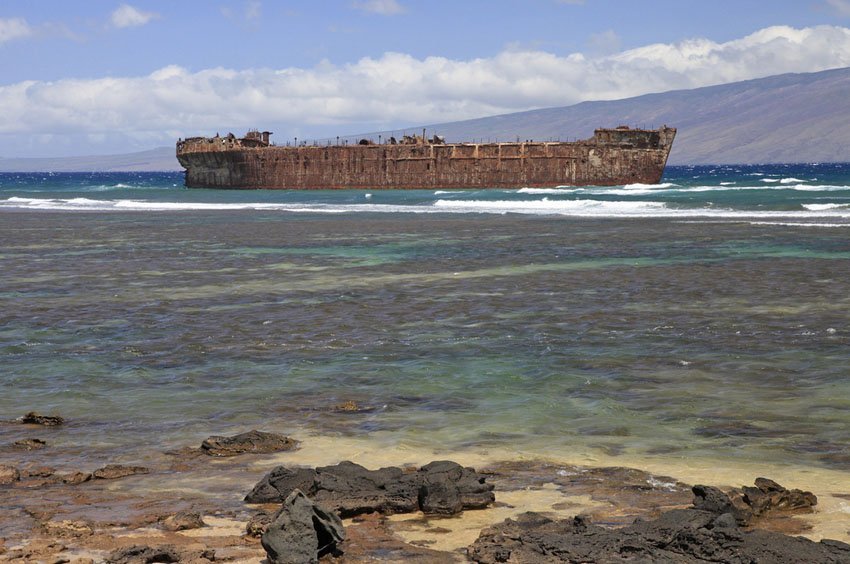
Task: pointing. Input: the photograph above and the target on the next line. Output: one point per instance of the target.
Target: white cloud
(383, 7)
(128, 16)
(398, 89)
(253, 10)
(840, 6)
(13, 28)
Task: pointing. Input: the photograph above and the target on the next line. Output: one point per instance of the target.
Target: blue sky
(103, 76)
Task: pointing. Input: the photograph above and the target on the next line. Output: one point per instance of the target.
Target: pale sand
(830, 520)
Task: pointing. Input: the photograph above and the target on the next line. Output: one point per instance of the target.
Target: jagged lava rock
(749, 503)
(301, 532)
(770, 496)
(710, 532)
(442, 487)
(252, 442)
(677, 536)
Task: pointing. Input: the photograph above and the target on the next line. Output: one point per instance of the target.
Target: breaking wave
(824, 207)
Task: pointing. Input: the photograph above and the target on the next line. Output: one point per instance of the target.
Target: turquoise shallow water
(711, 325)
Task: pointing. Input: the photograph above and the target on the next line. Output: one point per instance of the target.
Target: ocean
(702, 321)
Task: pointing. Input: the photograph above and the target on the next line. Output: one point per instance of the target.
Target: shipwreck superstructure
(616, 156)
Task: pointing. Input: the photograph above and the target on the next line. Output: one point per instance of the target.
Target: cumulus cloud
(13, 28)
(383, 7)
(397, 89)
(128, 16)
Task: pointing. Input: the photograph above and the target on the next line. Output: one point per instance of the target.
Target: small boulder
(183, 521)
(301, 532)
(258, 524)
(34, 418)
(252, 442)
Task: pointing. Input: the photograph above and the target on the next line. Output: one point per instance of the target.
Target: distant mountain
(159, 159)
(779, 119)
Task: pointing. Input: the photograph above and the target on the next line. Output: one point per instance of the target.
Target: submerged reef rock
(252, 442)
(749, 503)
(301, 532)
(441, 487)
(8, 474)
(709, 532)
(115, 471)
(34, 418)
(29, 444)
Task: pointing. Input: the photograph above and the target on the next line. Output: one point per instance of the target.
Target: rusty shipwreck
(611, 157)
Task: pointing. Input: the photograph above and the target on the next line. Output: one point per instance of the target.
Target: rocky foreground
(349, 513)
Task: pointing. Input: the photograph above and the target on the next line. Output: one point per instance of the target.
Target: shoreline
(613, 490)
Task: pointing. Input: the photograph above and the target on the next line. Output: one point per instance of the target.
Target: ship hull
(611, 157)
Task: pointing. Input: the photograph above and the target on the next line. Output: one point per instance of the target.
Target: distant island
(778, 119)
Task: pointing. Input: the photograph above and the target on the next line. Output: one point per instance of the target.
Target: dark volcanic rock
(350, 489)
(279, 483)
(115, 471)
(253, 442)
(140, 554)
(708, 533)
(301, 532)
(679, 535)
(749, 503)
(770, 496)
(711, 499)
(33, 418)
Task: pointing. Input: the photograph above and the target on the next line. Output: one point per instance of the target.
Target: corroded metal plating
(611, 157)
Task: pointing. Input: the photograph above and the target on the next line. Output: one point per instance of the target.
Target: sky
(107, 77)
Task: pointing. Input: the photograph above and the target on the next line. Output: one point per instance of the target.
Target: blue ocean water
(819, 192)
(705, 317)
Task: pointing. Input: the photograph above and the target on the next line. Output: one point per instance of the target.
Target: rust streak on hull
(611, 157)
